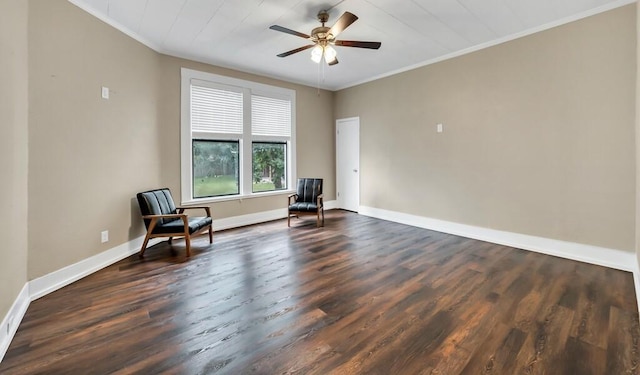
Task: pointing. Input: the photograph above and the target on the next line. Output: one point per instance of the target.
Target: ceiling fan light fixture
(316, 53)
(329, 54)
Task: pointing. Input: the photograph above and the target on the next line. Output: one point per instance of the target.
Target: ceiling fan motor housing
(321, 33)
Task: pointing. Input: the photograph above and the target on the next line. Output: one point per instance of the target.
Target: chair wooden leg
(289, 219)
(323, 216)
(144, 245)
(318, 219)
(152, 226)
(210, 233)
(187, 239)
(169, 242)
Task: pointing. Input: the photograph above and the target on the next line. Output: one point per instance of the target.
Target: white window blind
(215, 110)
(270, 116)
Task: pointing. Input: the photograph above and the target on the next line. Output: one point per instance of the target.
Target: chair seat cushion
(303, 207)
(177, 226)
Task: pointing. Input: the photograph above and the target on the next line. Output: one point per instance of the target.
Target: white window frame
(246, 139)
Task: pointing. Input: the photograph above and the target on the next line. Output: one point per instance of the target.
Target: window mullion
(246, 168)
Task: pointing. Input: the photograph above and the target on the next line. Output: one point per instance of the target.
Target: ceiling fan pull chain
(318, 83)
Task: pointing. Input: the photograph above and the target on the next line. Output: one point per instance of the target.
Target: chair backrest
(309, 189)
(156, 202)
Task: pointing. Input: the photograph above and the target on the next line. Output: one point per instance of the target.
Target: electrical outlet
(104, 236)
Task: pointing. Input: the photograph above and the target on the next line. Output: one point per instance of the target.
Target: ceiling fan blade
(285, 54)
(333, 62)
(358, 44)
(289, 31)
(342, 23)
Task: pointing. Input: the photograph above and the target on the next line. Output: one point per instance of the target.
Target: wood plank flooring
(359, 296)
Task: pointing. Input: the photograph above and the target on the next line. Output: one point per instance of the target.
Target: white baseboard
(330, 205)
(249, 219)
(260, 217)
(57, 279)
(13, 319)
(601, 256)
(636, 282)
(612, 258)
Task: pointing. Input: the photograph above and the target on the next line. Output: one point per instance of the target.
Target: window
(269, 166)
(215, 168)
(237, 137)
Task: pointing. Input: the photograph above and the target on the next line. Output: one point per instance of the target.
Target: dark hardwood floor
(359, 296)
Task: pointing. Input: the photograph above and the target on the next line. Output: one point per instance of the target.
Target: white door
(348, 163)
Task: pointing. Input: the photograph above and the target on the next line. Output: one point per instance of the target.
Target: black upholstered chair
(163, 219)
(308, 200)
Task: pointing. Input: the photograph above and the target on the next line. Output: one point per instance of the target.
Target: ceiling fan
(324, 38)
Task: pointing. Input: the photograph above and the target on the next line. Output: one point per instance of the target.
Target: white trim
(84, 5)
(183, 55)
(15, 314)
(64, 276)
(495, 42)
(601, 9)
(185, 135)
(600, 256)
(260, 217)
(611, 258)
(227, 198)
(636, 283)
(249, 219)
(57, 279)
(330, 205)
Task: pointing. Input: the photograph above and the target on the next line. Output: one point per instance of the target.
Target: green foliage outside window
(269, 166)
(215, 168)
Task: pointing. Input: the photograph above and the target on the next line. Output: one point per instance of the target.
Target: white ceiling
(236, 34)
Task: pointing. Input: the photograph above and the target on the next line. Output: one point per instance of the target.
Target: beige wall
(538, 135)
(89, 156)
(637, 135)
(13, 150)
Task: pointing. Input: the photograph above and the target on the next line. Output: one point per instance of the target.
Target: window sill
(200, 201)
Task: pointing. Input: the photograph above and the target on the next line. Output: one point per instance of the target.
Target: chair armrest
(320, 200)
(167, 216)
(292, 196)
(155, 218)
(207, 209)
